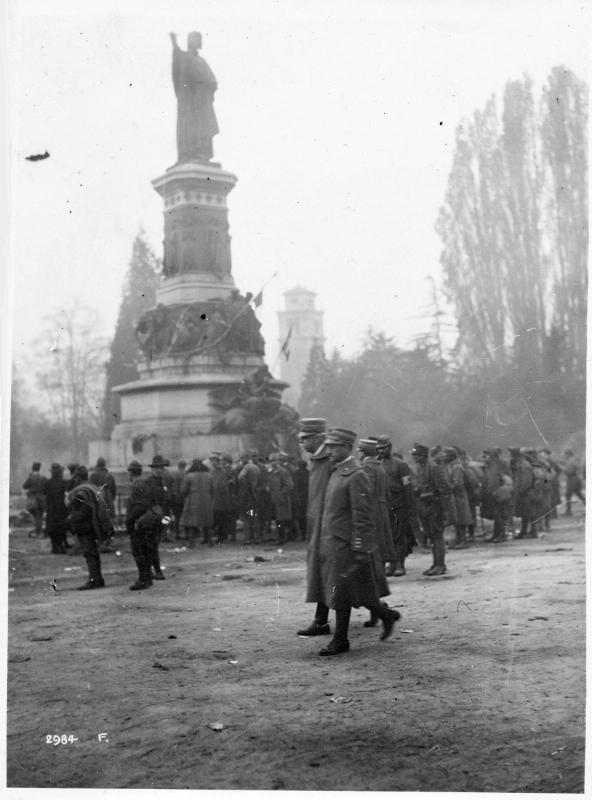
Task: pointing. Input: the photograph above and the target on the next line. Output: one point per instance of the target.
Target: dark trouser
(284, 530)
(403, 537)
(322, 614)
(498, 528)
(224, 524)
(142, 551)
(57, 533)
(433, 526)
(177, 511)
(299, 525)
(155, 535)
(90, 551)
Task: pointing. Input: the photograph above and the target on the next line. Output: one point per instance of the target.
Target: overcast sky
(337, 117)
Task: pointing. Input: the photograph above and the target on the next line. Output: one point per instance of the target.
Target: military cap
(312, 425)
(367, 446)
(383, 440)
(450, 452)
(35, 466)
(134, 468)
(215, 454)
(158, 461)
(101, 463)
(419, 449)
(341, 436)
(226, 458)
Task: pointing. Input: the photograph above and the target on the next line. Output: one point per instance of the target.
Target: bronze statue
(195, 85)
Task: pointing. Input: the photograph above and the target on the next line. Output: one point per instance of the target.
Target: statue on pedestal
(195, 85)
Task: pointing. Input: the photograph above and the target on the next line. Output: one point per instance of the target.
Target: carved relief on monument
(196, 240)
(221, 327)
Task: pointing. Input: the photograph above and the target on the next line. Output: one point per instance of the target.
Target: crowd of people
(280, 499)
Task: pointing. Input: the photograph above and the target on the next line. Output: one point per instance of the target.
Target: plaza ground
(201, 682)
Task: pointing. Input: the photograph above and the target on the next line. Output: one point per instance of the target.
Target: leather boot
(339, 643)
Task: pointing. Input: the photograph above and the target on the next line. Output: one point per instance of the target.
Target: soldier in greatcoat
(401, 504)
(348, 547)
(382, 525)
(198, 508)
(312, 440)
(433, 491)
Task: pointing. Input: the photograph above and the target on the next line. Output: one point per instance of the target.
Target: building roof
(300, 290)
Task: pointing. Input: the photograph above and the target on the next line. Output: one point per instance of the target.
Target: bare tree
(71, 372)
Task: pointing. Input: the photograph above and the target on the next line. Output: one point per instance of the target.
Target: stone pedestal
(194, 356)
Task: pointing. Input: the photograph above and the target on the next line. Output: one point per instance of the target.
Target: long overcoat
(347, 530)
(382, 522)
(281, 486)
(198, 507)
(460, 500)
(319, 473)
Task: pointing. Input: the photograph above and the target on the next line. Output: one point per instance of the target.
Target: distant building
(301, 326)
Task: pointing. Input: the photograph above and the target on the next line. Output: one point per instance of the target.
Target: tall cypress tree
(139, 294)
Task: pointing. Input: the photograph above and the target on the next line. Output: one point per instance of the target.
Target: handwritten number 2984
(56, 739)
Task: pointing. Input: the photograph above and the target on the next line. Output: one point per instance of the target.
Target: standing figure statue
(195, 85)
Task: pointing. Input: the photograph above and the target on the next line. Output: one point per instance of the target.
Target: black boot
(144, 580)
(319, 625)
(339, 643)
(388, 617)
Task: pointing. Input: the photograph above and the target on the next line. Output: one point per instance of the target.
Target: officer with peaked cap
(347, 543)
(312, 440)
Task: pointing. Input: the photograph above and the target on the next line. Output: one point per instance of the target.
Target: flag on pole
(258, 299)
(285, 350)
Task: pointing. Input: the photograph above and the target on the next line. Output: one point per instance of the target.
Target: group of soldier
(366, 515)
(409, 506)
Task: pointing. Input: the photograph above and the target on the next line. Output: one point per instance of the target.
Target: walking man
(312, 437)
(347, 544)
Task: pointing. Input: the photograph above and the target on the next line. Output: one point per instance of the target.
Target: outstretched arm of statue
(174, 41)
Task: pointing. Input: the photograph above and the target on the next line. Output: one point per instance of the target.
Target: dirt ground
(202, 683)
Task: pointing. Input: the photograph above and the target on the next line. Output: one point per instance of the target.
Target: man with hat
(401, 504)
(159, 494)
(140, 526)
(312, 437)
(347, 544)
(433, 492)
